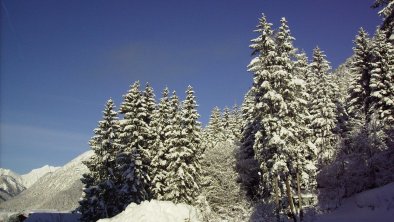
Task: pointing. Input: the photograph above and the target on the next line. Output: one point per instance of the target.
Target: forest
(304, 138)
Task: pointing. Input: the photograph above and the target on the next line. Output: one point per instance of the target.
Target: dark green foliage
(133, 168)
(100, 194)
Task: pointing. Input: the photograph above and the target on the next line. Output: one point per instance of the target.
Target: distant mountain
(59, 190)
(9, 187)
(32, 177)
(11, 183)
(10, 173)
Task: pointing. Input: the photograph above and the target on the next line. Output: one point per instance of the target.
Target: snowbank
(369, 206)
(156, 211)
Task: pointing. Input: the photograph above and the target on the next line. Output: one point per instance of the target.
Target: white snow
(59, 190)
(11, 183)
(32, 177)
(376, 205)
(64, 177)
(7, 172)
(156, 211)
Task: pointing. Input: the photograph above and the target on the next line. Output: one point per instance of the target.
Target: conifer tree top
(319, 64)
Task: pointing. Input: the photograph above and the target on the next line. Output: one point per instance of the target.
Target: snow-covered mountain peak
(11, 183)
(32, 177)
(8, 172)
(59, 190)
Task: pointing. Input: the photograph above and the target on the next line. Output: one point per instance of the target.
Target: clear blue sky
(61, 60)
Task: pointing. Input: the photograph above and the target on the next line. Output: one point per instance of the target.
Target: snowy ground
(376, 205)
(156, 211)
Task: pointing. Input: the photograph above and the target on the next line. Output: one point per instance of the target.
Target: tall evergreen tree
(100, 191)
(387, 12)
(236, 123)
(262, 67)
(359, 90)
(89, 205)
(184, 151)
(160, 162)
(323, 108)
(173, 145)
(214, 130)
(134, 178)
(191, 125)
(301, 68)
(247, 108)
(263, 47)
(246, 165)
(280, 110)
(271, 109)
(148, 100)
(226, 124)
(382, 79)
(303, 158)
(285, 48)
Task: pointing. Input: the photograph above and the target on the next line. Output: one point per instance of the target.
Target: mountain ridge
(59, 190)
(12, 184)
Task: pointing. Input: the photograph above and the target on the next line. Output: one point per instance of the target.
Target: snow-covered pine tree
(150, 109)
(220, 187)
(387, 12)
(173, 146)
(100, 192)
(279, 107)
(247, 108)
(191, 125)
(303, 168)
(246, 164)
(225, 124)
(301, 68)
(359, 98)
(359, 166)
(263, 79)
(300, 151)
(343, 79)
(285, 48)
(89, 205)
(214, 130)
(236, 123)
(280, 117)
(163, 127)
(323, 108)
(150, 104)
(264, 48)
(302, 71)
(184, 151)
(382, 80)
(133, 178)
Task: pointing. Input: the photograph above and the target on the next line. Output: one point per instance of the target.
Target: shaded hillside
(59, 190)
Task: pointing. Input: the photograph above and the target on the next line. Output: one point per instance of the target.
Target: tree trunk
(290, 199)
(299, 197)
